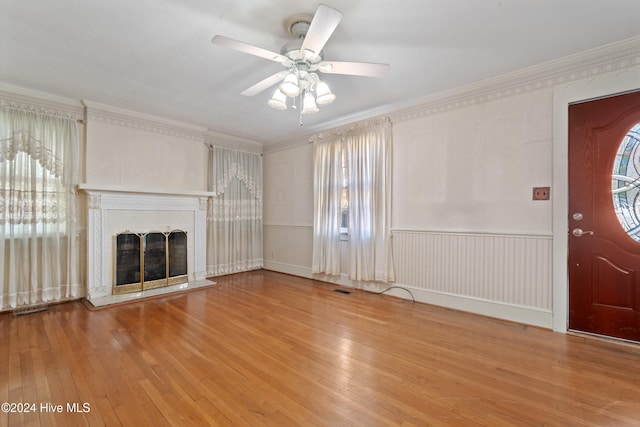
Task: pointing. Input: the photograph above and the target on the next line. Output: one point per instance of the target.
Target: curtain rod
(209, 145)
(351, 129)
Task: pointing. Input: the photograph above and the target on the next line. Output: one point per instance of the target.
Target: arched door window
(626, 183)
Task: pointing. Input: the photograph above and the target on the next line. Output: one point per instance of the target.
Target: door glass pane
(625, 183)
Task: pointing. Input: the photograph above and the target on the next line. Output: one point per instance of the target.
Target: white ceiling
(156, 56)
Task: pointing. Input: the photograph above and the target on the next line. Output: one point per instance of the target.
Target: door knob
(579, 232)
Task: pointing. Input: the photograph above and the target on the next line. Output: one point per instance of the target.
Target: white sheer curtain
(38, 177)
(234, 217)
(327, 192)
(367, 148)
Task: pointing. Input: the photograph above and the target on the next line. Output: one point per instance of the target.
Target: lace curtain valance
(237, 171)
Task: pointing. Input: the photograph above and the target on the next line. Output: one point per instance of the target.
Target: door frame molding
(592, 88)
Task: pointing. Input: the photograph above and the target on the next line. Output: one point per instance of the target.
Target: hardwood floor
(264, 348)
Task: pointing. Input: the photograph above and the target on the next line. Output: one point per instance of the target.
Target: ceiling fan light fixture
(290, 85)
(278, 101)
(302, 57)
(309, 104)
(323, 93)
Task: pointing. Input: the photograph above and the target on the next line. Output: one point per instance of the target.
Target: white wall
(288, 209)
(289, 178)
(462, 208)
(132, 151)
(473, 169)
(466, 232)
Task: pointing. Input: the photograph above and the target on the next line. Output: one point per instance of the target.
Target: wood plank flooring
(267, 349)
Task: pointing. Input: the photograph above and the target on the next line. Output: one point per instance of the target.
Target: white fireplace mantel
(112, 211)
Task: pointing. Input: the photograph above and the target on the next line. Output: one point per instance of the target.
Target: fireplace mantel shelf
(95, 188)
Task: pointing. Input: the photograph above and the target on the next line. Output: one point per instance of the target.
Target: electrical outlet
(541, 193)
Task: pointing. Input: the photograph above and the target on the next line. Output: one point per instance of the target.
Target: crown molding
(591, 64)
(287, 145)
(613, 58)
(341, 123)
(149, 123)
(146, 122)
(18, 97)
(231, 142)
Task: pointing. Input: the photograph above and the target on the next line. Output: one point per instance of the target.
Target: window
(352, 202)
(344, 194)
(32, 197)
(39, 165)
(625, 182)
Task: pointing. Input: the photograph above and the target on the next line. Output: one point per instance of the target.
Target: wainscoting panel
(513, 270)
(497, 275)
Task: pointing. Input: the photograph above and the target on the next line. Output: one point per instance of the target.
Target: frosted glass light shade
(309, 104)
(278, 101)
(290, 86)
(324, 94)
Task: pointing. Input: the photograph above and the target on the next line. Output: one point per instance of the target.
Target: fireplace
(149, 260)
(165, 220)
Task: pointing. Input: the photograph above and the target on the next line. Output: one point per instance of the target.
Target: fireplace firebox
(149, 260)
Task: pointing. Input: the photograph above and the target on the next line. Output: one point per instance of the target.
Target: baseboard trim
(514, 313)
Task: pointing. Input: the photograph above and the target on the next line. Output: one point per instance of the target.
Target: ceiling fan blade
(323, 24)
(265, 84)
(368, 69)
(250, 49)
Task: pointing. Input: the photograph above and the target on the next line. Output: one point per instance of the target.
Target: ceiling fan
(303, 58)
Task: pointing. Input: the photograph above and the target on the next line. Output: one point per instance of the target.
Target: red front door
(604, 217)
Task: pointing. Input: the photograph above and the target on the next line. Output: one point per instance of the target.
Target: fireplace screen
(177, 245)
(149, 260)
(127, 275)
